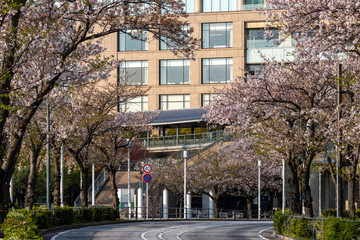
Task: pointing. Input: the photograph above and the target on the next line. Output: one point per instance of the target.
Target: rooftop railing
(182, 140)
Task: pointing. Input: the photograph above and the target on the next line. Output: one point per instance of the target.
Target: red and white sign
(147, 168)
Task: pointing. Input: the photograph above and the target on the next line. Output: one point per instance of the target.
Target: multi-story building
(232, 36)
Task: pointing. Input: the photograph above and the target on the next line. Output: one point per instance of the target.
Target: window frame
(144, 76)
(184, 101)
(209, 73)
(227, 33)
(167, 61)
(144, 42)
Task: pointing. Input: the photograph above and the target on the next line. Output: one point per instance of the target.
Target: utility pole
(185, 156)
(48, 182)
(62, 175)
(339, 207)
(129, 145)
(259, 164)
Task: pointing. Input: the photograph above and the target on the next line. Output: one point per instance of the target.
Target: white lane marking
(260, 233)
(144, 233)
(54, 237)
(161, 234)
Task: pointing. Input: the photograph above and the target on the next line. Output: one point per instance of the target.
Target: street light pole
(62, 176)
(283, 186)
(185, 156)
(259, 164)
(338, 150)
(129, 145)
(48, 182)
(93, 185)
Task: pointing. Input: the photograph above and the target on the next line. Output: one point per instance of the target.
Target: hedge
(25, 224)
(325, 228)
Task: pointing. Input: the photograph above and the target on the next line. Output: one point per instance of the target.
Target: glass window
(166, 43)
(180, 101)
(258, 38)
(137, 104)
(189, 6)
(254, 68)
(174, 72)
(217, 70)
(217, 35)
(252, 4)
(134, 72)
(127, 43)
(207, 98)
(219, 5)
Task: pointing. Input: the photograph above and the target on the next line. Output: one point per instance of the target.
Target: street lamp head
(185, 154)
(128, 143)
(259, 163)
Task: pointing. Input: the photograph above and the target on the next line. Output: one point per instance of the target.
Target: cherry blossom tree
(285, 108)
(330, 29)
(46, 42)
(242, 157)
(112, 145)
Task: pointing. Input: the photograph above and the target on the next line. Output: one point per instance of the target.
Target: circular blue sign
(147, 178)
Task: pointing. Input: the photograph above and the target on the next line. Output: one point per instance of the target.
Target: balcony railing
(182, 140)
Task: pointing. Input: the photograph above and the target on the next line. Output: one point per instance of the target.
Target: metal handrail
(99, 183)
(181, 140)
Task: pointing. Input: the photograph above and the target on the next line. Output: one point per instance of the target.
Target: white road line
(260, 233)
(161, 234)
(54, 237)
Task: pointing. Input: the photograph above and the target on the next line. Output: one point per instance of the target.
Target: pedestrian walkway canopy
(183, 117)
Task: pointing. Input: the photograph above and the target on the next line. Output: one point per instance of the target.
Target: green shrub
(85, 215)
(300, 228)
(20, 224)
(42, 218)
(65, 215)
(280, 222)
(329, 213)
(331, 228)
(357, 214)
(97, 214)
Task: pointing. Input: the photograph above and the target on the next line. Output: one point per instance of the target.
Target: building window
(174, 72)
(207, 98)
(217, 70)
(258, 38)
(167, 43)
(137, 104)
(252, 4)
(127, 43)
(217, 35)
(133, 72)
(219, 5)
(254, 68)
(189, 6)
(179, 101)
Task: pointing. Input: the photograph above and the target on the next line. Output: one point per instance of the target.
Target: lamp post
(129, 145)
(48, 182)
(62, 176)
(338, 150)
(283, 187)
(185, 156)
(259, 164)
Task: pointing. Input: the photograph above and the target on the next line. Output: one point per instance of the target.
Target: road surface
(170, 230)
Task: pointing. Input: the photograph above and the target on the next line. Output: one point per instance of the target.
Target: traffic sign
(147, 168)
(147, 178)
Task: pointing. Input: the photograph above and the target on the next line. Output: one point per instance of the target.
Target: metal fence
(180, 140)
(193, 213)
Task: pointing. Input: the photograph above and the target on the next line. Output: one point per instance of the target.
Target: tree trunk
(115, 198)
(352, 179)
(30, 191)
(306, 193)
(293, 190)
(57, 176)
(5, 202)
(84, 186)
(249, 209)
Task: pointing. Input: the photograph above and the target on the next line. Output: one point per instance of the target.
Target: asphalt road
(163, 230)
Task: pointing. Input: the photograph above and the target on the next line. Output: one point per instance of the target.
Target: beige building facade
(231, 42)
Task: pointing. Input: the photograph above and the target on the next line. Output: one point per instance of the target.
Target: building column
(139, 202)
(198, 6)
(188, 205)
(165, 203)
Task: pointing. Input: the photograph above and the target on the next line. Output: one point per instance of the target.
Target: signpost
(147, 178)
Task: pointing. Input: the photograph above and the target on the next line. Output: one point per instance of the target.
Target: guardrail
(181, 140)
